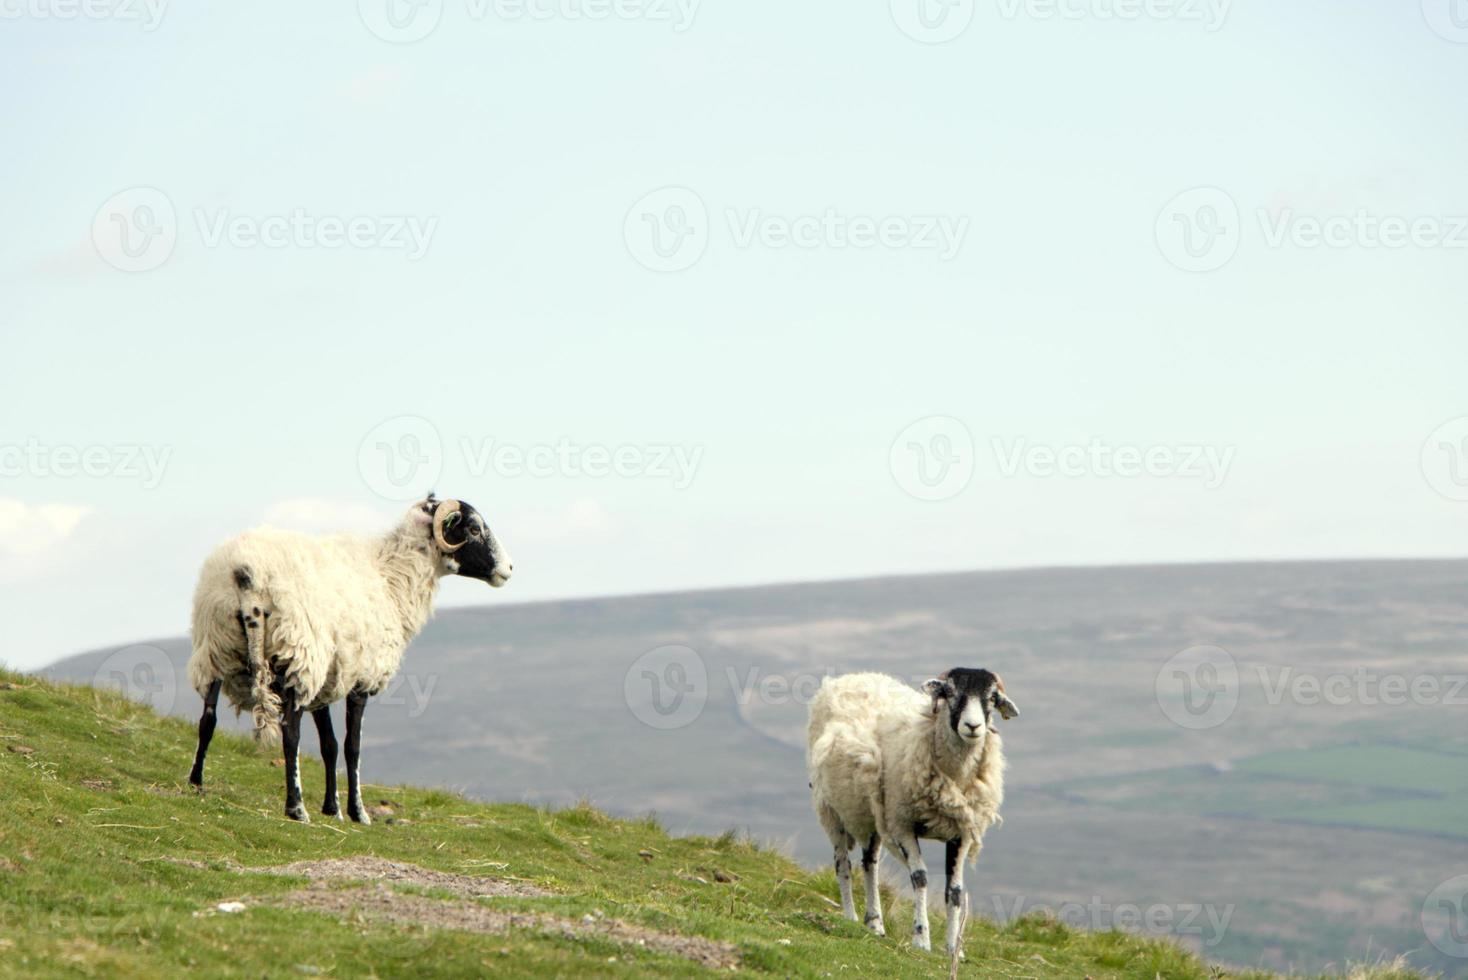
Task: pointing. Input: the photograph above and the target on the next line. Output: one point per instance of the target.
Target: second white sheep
(890, 764)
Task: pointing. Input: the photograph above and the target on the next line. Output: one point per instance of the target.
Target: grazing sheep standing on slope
(892, 764)
(287, 623)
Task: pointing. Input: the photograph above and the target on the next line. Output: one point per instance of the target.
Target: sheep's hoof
(920, 941)
(952, 951)
(877, 928)
(359, 816)
(298, 812)
(331, 809)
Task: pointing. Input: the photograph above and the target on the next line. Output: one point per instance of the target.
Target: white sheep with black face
(287, 623)
(891, 764)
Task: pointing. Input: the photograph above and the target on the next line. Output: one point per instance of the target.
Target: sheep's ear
(1007, 708)
(938, 687)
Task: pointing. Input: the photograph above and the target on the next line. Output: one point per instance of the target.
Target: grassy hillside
(111, 866)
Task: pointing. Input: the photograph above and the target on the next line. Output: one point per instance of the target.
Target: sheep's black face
(469, 548)
(971, 697)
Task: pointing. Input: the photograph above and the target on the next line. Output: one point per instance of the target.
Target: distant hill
(111, 866)
(1321, 825)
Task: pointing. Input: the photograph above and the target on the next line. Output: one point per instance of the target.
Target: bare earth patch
(373, 869)
(385, 905)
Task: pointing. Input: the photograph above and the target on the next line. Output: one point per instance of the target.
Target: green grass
(96, 822)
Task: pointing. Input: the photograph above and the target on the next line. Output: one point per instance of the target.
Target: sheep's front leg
(290, 737)
(356, 705)
(907, 848)
(955, 903)
(870, 856)
(207, 721)
(327, 739)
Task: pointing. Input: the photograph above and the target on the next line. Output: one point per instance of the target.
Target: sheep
(890, 764)
(286, 623)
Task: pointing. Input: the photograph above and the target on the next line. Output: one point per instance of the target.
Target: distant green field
(1380, 787)
(1382, 766)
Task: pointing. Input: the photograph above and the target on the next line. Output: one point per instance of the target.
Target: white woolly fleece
(336, 613)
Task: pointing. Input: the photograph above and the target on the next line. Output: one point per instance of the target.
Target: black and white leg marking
(290, 737)
(843, 875)
(356, 704)
(207, 722)
(918, 874)
(871, 855)
(955, 902)
(327, 740)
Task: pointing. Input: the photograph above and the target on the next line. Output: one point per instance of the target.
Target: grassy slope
(90, 884)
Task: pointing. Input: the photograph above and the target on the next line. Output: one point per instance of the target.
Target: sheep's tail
(256, 620)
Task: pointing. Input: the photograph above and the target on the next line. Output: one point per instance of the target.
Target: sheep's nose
(972, 728)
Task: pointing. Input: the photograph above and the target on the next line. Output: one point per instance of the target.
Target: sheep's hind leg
(907, 847)
(327, 740)
(955, 902)
(207, 722)
(870, 856)
(843, 876)
(356, 705)
(290, 737)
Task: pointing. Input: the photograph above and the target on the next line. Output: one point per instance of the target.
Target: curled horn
(445, 510)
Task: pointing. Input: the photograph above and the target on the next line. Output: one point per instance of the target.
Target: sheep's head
(970, 697)
(464, 542)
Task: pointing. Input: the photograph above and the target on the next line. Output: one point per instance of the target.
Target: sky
(690, 294)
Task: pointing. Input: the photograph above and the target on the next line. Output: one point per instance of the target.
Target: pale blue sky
(790, 370)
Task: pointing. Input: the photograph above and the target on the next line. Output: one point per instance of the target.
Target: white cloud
(29, 529)
(316, 515)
